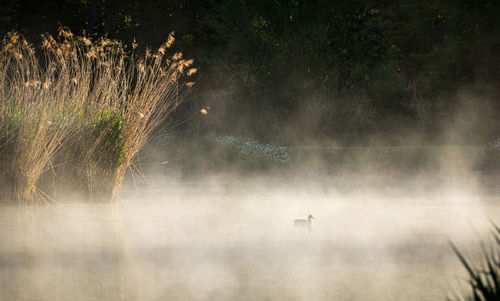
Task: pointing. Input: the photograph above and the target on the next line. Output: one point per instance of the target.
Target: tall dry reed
(80, 110)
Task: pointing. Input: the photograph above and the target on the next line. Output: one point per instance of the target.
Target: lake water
(220, 239)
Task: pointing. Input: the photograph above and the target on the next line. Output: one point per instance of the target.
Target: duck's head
(310, 217)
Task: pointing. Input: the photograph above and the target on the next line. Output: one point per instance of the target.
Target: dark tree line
(321, 69)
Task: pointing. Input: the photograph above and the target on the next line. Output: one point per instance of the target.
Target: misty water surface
(233, 239)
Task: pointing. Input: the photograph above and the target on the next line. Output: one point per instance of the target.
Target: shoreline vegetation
(484, 276)
(75, 114)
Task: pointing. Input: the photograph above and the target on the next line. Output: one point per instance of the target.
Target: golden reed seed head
(134, 44)
(204, 111)
(14, 38)
(86, 42)
(46, 85)
(45, 44)
(104, 42)
(191, 71)
(91, 54)
(190, 84)
(170, 40)
(180, 68)
(177, 56)
(67, 34)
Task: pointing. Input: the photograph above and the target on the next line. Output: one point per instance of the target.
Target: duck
(304, 222)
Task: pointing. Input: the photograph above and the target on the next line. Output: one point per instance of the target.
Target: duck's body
(304, 222)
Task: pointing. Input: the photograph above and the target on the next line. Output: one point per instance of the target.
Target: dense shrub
(80, 111)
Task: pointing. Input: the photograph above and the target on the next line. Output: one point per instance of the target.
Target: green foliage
(107, 126)
(98, 151)
(406, 59)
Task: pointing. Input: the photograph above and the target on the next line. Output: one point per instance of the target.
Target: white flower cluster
(495, 144)
(250, 148)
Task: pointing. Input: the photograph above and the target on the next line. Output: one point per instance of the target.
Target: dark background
(353, 72)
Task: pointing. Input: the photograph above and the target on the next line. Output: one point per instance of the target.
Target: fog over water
(232, 238)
